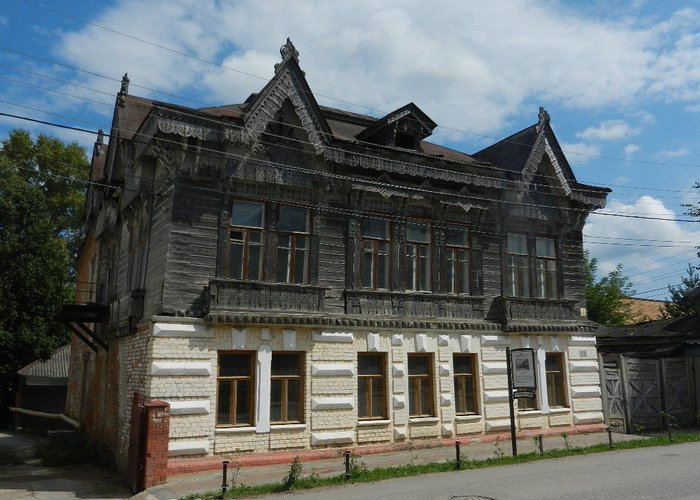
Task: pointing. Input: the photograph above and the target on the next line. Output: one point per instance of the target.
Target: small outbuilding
(41, 392)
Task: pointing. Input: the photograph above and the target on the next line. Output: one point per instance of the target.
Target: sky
(620, 80)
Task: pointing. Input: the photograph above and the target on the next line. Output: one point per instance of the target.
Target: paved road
(641, 474)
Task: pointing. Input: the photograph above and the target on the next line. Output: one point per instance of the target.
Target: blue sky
(620, 80)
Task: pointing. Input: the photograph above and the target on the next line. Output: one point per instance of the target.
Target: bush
(74, 448)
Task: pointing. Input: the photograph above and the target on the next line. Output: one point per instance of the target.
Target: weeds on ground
(498, 453)
(370, 475)
(74, 448)
(294, 474)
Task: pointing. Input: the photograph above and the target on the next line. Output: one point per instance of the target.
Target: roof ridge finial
(125, 85)
(287, 51)
(543, 117)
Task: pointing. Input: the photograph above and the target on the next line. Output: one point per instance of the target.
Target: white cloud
(674, 153)
(608, 130)
(381, 54)
(630, 149)
(644, 247)
(580, 152)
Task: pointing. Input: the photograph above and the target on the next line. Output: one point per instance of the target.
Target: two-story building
(290, 276)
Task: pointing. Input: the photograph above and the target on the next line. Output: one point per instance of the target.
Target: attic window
(404, 140)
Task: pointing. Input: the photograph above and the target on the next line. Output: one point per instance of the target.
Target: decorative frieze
(234, 295)
(385, 303)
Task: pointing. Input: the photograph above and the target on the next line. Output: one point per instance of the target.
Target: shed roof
(56, 367)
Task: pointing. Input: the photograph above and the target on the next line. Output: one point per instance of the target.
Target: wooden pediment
(288, 85)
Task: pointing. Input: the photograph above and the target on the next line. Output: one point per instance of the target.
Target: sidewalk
(182, 485)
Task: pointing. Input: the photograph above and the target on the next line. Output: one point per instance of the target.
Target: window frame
(548, 287)
(453, 267)
(375, 255)
(463, 381)
(558, 392)
(414, 280)
(524, 278)
(251, 378)
(246, 243)
(367, 382)
(292, 249)
(415, 391)
(284, 392)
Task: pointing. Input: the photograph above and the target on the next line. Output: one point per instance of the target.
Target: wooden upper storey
(278, 209)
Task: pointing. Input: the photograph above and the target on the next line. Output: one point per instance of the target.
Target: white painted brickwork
(181, 368)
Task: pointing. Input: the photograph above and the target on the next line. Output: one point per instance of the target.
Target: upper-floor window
(293, 243)
(418, 256)
(518, 267)
(545, 269)
(527, 258)
(246, 241)
(457, 259)
(375, 263)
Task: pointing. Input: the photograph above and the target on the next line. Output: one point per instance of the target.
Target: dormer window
(404, 128)
(406, 141)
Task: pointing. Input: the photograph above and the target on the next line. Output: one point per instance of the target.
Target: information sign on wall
(523, 368)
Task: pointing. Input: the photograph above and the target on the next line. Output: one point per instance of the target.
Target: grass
(364, 475)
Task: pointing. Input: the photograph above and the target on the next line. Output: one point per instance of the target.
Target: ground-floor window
(371, 385)
(465, 384)
(287, 388)
(420, 385)
(235, 389)
(554, 366)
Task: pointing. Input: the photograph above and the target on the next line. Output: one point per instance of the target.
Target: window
(420, 385)
(371, 385)
(545, 269)
(246, 241)
(465, 384)
(375, 254)
(287, 388)
(418, 259)
(554, 363)
(235, 383)
(457, 259)
(521, 259)
(293, 242)
(518, 268)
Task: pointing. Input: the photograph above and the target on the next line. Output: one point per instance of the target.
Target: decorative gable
(287, 86)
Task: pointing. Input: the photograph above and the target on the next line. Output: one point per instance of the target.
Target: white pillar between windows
(542, 380)
(262, 383)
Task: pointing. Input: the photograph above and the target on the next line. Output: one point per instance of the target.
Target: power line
(220, 155)
(230, 68)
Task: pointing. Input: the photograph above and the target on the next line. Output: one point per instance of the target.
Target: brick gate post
(155, 469)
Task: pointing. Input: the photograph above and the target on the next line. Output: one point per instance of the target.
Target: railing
(519, 308)
(407, 304)
(234, 295)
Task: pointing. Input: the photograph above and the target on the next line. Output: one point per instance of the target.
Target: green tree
(57, 171)
(605, 296)
(40, 230)
(678, 306)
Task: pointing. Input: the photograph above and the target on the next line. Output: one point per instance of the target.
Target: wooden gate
(677, 390)
(613, 397)
(643, 390)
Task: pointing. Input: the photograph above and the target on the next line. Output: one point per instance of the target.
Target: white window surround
(287, 427)
(373, 423)
(234, 430)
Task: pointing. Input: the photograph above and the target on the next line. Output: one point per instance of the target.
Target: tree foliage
(678, 306)
(39, 235)
(605, 296)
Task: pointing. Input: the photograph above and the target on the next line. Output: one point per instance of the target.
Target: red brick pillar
(155, 470)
